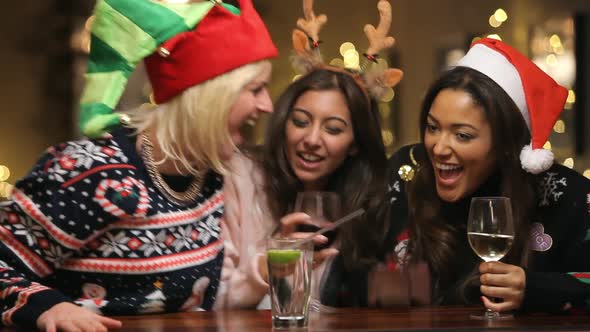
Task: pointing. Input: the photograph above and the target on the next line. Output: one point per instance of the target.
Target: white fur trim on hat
(495, 66)
(535, 161)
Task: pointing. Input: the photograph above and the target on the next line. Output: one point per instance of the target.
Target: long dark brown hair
(360, 180)
(437, 241)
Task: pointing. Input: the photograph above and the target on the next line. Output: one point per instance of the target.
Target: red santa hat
(538, 97)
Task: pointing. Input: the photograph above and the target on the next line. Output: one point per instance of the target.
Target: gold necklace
(187, 197)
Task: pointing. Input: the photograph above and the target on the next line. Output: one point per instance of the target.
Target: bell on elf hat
(183, 44)
(538, 97)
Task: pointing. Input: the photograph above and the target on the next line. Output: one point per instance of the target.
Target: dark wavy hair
(360, 180)
(437, 241)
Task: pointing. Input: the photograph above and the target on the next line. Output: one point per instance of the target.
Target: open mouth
(448, 174)
(250, 122)
(309, 160)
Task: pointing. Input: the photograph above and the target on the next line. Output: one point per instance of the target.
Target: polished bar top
(415, 319)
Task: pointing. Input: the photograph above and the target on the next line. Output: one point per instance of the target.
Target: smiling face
(251, 101)
(319, 136)
(458, 140)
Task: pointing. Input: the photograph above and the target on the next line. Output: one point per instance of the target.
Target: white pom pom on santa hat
(538, 97)
(535, 161)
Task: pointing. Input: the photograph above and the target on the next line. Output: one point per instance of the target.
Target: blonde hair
(192, 128)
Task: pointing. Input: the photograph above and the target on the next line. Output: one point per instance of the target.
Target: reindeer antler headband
(373, 80)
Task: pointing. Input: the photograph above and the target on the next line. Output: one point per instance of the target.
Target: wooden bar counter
(416, 319)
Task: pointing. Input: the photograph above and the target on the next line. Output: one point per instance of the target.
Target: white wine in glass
(490, 231)
(490, 247)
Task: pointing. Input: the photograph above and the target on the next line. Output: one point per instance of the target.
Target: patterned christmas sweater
(88, 225)
(558, 273)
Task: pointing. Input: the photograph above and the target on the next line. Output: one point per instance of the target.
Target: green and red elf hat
(182, 44)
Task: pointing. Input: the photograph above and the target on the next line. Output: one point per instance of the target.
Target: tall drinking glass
(490, 231)
(289, 274)
(323, 207)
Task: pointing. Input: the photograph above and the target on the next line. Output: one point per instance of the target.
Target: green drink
(283, 256)
(289, 273)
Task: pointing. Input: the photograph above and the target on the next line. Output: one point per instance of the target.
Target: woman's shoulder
(562, 184)
(82, 161)
(243, 162)
(403, 166)
(244, 166)
(559, 169)
(404, 163)
(79, 178)
(244, 178)
(411, 154)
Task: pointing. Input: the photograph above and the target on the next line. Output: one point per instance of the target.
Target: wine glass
(323, 207)
(490, 231)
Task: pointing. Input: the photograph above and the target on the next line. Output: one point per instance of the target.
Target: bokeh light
(337, 62)
(5, 190)
(345, 47)
(500, 15)
(551, 60)
(387, 137)
(555, 41)
(388, 96)
(4, 173)
(494, 23)
(571, 97)
(351, 59)
(559, 127)
(384, 110)
(547, 146)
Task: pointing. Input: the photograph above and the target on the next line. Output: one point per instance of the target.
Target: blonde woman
(127, 222)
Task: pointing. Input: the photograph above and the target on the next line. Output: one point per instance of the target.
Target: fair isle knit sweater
(88, 225)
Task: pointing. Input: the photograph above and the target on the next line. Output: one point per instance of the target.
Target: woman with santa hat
(483, 126)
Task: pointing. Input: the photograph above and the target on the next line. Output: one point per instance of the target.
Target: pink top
(245, 226)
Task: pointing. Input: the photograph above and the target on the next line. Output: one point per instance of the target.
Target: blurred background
(45, 45)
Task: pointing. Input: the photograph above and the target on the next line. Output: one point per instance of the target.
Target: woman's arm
(52, 214)
(564, 281)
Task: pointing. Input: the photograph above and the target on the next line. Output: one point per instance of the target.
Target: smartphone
(331, 235)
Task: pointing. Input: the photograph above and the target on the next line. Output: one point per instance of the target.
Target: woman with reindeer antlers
(127, 221)
(324, 135)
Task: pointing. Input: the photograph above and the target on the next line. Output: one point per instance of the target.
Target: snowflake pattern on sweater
(552, 187)
(87, 224)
